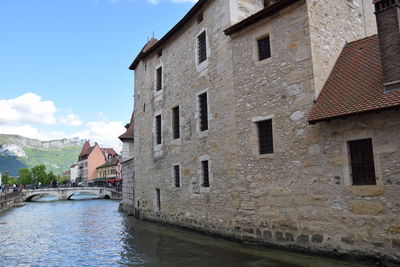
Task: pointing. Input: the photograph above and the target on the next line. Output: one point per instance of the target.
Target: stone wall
(332, 25)
(10, 200)
(128, 190)
(299, 196)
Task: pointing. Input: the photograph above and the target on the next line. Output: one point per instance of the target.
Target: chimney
(388, 21)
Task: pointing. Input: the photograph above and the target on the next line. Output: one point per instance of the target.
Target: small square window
(265, 139)
(362, 162)
(159, 53)
(264, 48)
(201, 46)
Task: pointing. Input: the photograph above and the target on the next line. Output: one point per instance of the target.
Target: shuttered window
(159, 79)
(203, 112)
(264, 48)
(175, 123)
(205, 173)
(265, 139)
(158, 129)
(201, 46)
(177, 178)
(362, 162)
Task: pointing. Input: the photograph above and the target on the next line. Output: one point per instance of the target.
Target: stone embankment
(9, 200)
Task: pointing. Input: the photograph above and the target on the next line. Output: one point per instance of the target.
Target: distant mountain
(21, 152)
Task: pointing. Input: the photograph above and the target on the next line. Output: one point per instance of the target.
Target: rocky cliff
(21, 152)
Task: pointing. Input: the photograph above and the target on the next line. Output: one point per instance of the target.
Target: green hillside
(21, 152)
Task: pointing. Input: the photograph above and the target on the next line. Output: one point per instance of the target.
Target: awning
(100, 179)
(114, 180)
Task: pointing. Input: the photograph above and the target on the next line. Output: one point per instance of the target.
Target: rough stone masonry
(301, 195)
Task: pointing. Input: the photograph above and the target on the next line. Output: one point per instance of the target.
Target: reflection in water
(93, 233)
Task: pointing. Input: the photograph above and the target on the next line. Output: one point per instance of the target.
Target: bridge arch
(68, 192)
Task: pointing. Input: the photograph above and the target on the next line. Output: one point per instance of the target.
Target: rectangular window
(264, 48)
(158, 129)
(203, 111)
(158, 199)
(265, 139)
(205, 173)
(175, 123)
(177, 178)
(159, 79)
(201, 46)
(362, 162)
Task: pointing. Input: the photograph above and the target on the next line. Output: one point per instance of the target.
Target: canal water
(94, 233)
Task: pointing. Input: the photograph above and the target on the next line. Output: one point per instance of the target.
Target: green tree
(5, 177)
(51, 177)
(39, 174)
(12, 181)
(62, 179)
(25, 176)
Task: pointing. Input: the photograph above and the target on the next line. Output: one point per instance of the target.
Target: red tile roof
(108, 151)
(128, 135)
(355, 84)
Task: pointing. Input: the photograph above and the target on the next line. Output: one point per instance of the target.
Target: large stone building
(273, 121)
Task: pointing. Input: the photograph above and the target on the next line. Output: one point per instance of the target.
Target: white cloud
(70, 119)
(31, 132)
(103, 132)
(30, 108)
(24, 115)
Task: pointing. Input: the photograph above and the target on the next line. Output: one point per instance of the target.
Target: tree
(5, 177)
(51, 177)
(39, 174)
(25, 176)
(62, 179)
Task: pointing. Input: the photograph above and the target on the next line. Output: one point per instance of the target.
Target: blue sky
(64, 63)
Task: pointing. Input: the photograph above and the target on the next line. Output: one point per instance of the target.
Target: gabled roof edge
(199, 5)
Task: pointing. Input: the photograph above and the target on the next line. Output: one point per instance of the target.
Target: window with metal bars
(158, 129)
(159, 79)
(203, 111)
(158, 199)
(177, 178)
(205, 173)
(201, 47)
(264, 48)
(175, 123)
(362, 162)
(265, 139)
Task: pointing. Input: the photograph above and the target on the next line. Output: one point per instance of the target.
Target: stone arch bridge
(67, 192)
